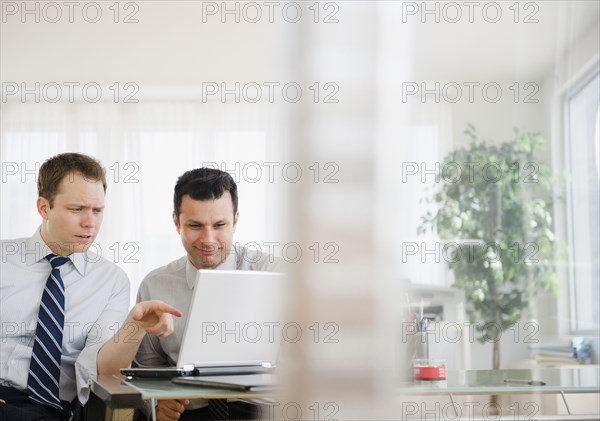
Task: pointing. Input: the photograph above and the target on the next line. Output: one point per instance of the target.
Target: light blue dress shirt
(96, 303)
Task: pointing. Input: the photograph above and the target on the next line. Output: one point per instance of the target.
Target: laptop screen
(235, 318)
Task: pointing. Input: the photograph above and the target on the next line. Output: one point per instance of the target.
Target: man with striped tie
(63, 308)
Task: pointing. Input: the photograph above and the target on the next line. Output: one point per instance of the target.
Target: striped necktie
(44, 370)
(218, 409)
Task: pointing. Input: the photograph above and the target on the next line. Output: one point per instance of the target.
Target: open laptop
(234, 326)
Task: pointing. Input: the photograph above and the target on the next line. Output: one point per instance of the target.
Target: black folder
(245, 383)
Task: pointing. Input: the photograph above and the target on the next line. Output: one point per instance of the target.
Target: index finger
(166, 308)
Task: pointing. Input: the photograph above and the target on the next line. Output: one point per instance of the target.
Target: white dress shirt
(96, 303)
(174, 284)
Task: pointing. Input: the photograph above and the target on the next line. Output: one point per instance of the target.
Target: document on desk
(246, 382)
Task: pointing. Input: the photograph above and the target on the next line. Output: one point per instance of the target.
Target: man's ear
(235, 219)
(176, 221)
(43, 206)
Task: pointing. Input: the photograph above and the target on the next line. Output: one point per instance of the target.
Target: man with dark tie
(205, 215)
(63, 308)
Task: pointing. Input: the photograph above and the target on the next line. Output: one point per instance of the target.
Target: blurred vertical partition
(348, 365)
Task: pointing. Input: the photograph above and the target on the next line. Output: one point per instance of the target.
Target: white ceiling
(171, 46)
(505, 50)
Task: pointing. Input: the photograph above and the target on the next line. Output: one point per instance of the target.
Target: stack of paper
(561, 351)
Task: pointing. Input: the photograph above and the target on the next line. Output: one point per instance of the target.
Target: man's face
(206, 228)
(72, 224)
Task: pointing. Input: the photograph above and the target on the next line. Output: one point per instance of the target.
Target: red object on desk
(430, 372)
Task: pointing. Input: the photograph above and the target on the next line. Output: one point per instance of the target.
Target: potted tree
(493, 209)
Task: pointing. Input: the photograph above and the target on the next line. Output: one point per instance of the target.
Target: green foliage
(494, 211)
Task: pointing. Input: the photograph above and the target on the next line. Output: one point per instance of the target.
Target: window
(582, 112)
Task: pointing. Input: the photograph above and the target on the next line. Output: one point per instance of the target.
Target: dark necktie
(218, 409)
(44, 370)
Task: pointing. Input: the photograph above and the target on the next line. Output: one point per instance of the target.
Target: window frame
(572, 91)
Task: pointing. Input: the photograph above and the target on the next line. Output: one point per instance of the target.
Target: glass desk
(511, 382)
(498, 382)
(111, 392)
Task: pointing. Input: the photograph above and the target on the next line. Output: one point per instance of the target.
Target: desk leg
(153, 406)
(453, 404)
(98, 410)
(565, 401)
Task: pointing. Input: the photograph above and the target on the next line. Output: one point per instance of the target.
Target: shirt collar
(36, 249)
(230, 262)
(191, 272)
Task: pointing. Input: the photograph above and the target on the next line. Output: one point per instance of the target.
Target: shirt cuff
(86, 370)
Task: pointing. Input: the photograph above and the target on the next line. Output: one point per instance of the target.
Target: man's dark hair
(204, 184)
(55, 169)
